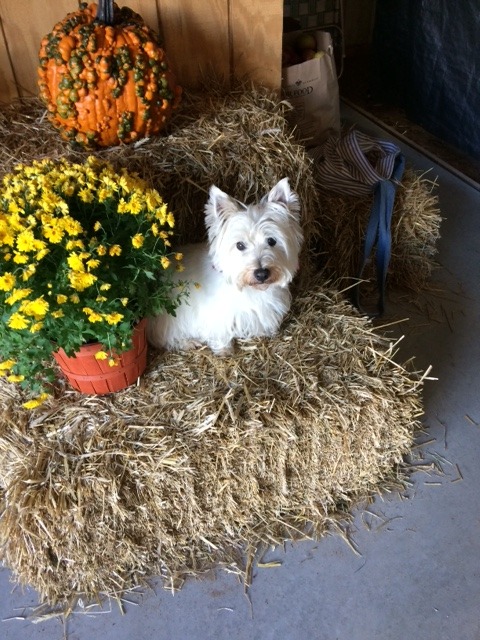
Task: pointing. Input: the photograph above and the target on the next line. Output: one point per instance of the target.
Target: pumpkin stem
(105, 12)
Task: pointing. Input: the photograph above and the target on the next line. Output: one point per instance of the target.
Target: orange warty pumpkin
(104, 77)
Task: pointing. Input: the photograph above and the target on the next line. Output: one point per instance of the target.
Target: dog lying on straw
(240, 278)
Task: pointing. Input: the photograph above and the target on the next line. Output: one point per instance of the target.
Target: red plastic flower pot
(88, 375)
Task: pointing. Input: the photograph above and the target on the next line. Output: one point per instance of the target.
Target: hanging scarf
(357, 164)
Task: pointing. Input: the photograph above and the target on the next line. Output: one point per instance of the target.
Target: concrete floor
(417, 570)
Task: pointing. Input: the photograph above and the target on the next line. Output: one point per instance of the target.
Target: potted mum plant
(85, 255)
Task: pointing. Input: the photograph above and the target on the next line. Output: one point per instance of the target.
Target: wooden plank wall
(232, 38)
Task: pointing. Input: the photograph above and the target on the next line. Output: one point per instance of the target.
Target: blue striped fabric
(354, 163)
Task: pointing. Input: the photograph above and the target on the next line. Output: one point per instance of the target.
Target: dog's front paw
(222, 350)
(191, 345)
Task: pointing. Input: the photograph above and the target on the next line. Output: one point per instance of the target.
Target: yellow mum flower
(17, 321)
(112, 362)
(26, 241)
(135, 205)
(74, 298)
(53, 234)
(7, 282)
(6, 364)
(138, 240)
(41, 254)
(122, 206)
(109, 182)
(97, 226)
(153, 199)
(103, 194)
(81, 281)
(68, 188)
(101, 355)
(93, 316)
(75, 263)
(37, 308)
(46, 218)
(72, 226)
(124, 301)
(36, 326)
(126, 183)
(86, 195)
(20, 258)
(101, 250)
(15, 222)
(14, 208)
(105, 286)
(113, 318)
(161, 214)
(92, 263)
(165, 262)
(14, 378)
(61, 299)
(36, 402)
(179, 256)
(115, 250)
(74, 244)
(17, 294)
(6, 237)
(58, 314)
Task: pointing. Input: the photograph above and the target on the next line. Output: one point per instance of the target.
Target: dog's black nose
(261, 274)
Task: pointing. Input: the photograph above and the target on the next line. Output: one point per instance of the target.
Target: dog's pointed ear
(220, 204)
(283, 194)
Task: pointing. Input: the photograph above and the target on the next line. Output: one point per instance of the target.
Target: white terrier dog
(239, 280)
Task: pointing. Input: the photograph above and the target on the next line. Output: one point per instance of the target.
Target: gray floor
(417, 570)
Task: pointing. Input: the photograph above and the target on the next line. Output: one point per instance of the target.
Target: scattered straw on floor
(207, 458)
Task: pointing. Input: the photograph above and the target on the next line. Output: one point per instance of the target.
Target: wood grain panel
(25, 23)
(224, 37)
(196, 38)
(146, 8)
(8, 87)
(256, 40)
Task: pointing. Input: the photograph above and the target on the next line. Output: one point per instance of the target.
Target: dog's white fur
(239, 280)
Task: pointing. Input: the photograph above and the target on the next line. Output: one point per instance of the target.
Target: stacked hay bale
(416, 222)
(209, 457)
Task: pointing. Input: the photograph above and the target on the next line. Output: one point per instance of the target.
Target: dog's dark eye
(271, 242)
(241, 246)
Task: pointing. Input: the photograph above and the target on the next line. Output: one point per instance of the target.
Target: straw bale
(208, 458)
(416, 222)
